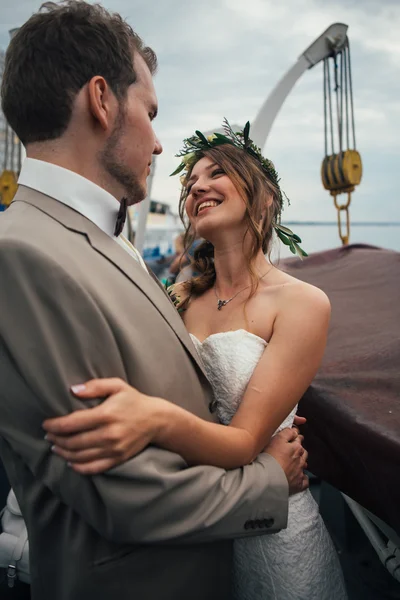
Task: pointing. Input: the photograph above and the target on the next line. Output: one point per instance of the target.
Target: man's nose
(157, 147)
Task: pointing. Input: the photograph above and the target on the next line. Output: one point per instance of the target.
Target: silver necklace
(222, 303)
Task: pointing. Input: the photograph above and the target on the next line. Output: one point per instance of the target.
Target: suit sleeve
(52, 335)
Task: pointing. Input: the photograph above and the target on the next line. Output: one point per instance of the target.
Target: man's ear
(101, 101)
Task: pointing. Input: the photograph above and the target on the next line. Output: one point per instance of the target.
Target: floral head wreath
(192, 146)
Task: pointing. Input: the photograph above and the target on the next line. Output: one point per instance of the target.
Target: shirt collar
(77, 192)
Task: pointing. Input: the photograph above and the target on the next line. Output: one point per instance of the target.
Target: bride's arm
(282, 375)
(284, 372)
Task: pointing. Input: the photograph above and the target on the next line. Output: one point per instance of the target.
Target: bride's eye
(217, 172)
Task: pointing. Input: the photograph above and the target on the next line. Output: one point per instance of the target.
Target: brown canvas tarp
(353, 405)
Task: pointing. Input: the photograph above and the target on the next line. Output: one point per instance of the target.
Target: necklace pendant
(222, 303)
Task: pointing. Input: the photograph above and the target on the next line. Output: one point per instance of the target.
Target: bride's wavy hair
(263, 207)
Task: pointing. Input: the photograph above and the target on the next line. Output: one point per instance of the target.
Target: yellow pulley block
(8, 186)
(341, 172)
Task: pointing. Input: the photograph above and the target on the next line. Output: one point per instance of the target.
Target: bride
(261, 335)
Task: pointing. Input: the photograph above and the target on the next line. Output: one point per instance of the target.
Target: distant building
(163, 226)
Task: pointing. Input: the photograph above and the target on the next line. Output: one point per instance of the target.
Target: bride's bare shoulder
(300, 296)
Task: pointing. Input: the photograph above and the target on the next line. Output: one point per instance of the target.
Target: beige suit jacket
(74, 305)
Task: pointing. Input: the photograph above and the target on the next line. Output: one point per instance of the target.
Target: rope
(330, 107)
(346, 95)
(351, 97)
(325, 109)
(338, 113)
(341, 99)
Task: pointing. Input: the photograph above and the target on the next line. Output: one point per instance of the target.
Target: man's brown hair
(54, 54)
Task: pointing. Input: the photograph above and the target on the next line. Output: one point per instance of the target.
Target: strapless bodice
(229, 359)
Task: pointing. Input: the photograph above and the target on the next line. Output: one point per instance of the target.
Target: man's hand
(298, 421)
(286, 448)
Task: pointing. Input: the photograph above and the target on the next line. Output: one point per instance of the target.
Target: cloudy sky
(223, 57)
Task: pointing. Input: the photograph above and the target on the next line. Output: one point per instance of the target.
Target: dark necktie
(121, 217)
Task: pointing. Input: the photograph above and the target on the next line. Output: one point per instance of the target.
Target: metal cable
(330, 107)
(341, 100)
(337, 87)
(351, 97)
(346, 95)
(325, 108)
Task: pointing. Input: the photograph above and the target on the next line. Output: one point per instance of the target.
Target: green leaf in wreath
(299, 251)
(221, 141)
(285, 230)
(221, 136)
(178, 169)
(289, 233)
(285, 240)
(303, 252)
(194, 142)
(202, 138)
(246, 132)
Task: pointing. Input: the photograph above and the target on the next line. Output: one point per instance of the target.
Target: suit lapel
(121, 259)
(145, 282)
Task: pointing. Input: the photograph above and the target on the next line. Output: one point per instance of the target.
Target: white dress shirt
(77, 192)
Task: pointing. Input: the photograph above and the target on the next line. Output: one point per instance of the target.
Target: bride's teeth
(211, 203)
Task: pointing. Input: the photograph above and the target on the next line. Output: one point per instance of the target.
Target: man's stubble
(113, 165)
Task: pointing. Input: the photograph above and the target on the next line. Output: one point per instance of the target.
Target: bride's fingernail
(78, 388)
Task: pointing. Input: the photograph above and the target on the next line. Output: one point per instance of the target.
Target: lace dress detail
(299, 562)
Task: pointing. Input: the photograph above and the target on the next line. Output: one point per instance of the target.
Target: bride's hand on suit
(97, 439)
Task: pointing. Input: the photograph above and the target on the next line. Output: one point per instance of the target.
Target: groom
(77, 303)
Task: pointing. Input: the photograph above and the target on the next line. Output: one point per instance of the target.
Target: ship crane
(341, 168)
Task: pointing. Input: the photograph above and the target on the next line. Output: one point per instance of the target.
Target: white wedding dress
(297, 563)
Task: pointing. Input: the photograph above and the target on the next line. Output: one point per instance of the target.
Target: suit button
(268, 522)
